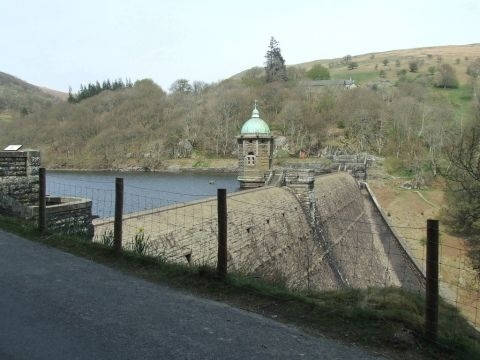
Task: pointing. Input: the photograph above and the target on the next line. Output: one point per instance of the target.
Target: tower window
(250, 159)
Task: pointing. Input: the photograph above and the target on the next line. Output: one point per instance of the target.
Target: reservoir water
(142, 190)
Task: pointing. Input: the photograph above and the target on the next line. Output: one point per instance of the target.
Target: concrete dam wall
(337, 240)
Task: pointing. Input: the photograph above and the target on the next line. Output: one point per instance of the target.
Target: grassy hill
(370, 65)
(18, 97)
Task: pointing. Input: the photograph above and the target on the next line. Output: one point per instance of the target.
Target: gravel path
(54, 305)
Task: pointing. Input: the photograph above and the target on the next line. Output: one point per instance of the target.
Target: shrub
(281, 157)
(402, 72)
(352, 65)
(385, 62)
(395, 166)
(473, 69)
(432, 70)
(413, 66)
(446, 77)
(347, 58)
(397, 63)
(318, 72)
(201, 164)
(382, 73)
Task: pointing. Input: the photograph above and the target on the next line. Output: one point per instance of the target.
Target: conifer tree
(92, 89)
(275, 68)
(71, 98)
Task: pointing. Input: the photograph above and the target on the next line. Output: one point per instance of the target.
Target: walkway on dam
(54, 305)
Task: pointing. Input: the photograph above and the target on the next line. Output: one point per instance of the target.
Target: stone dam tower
(255, 151)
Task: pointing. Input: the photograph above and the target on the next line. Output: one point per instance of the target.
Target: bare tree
(446, 77)
(181, 86)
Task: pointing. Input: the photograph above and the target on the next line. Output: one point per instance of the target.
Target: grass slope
(366, 71)
(409, 211)
(387, 321)
(17, 95)
(428, 56)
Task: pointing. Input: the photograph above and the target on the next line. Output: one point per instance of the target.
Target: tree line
(92, 89)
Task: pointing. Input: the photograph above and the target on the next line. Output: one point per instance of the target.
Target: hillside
(144, 127)
(18, 97)
(370, 65)
(427, 57)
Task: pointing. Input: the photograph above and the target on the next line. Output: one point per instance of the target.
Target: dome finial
(255, 125)
(255, 112)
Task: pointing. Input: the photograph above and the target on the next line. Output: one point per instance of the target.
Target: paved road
(54, 305)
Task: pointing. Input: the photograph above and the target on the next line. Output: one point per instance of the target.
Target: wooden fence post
(222, 233)
(432, 297)
(117, 226)
(42, 201)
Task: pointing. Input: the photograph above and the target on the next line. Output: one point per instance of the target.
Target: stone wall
(66, 214)
(356, 165)
(19, 188)
(268, 235)
(18, 180)
(19, 163)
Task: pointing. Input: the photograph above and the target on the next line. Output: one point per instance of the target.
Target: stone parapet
(299, 176)
(19, 163)
(22, 188)
(66, 214)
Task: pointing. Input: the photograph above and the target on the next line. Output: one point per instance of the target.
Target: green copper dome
(255, 125)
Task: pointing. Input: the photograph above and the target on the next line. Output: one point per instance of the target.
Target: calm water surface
(142, 190)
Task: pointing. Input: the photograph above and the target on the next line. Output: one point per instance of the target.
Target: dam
(290, 226)
(317, 232)
(305, 226)
(293, 226)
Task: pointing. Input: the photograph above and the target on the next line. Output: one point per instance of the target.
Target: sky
(58, 43)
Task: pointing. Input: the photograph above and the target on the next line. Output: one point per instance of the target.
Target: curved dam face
(272, 234)
(356, 241)
(268, 234)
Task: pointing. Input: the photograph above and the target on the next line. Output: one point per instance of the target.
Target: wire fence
(271, 235)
